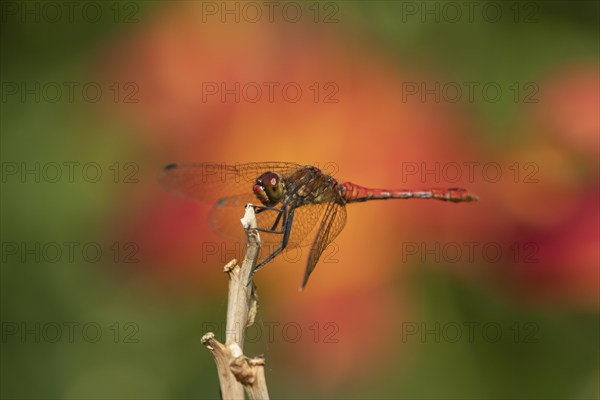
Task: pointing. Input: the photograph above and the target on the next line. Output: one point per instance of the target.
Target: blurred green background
(374, 321)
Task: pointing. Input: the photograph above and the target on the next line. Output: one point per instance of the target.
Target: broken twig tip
(207, 338)
(249, 220)
(257, 360)
(230, 265)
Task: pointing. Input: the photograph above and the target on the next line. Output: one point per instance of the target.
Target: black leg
(259, 209)
(277, 222)
(287, 229)
(270, 231)
(282, 212)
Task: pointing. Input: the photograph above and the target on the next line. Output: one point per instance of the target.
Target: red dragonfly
(301, 205)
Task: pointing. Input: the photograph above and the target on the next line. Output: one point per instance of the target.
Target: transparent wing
(331, 226)
(225, 219)
(229, 188)
(210, 182)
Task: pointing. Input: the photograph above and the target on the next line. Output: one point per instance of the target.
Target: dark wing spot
(221, 203)
(169, 167)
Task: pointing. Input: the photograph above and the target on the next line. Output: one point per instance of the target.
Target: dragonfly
(301, 205)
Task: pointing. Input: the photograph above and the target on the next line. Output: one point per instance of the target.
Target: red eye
(269, 179)
(258, 189)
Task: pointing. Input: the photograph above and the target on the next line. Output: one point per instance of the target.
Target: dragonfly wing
(306, 224)
(210, 182)
(225, 219)
(331, 226)
(225, 216)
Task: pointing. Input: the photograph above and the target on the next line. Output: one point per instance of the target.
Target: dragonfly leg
(269, 231)
(284, 242)
(282, 212)
(259, 209)
(274, 227)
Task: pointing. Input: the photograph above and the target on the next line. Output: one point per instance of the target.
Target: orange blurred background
(356, 119)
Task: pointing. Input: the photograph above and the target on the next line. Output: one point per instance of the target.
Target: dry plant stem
(251, 372)
(236, 372)
(242, 297)
(230, 387)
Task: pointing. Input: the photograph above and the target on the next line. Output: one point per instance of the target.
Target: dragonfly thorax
(269, 188)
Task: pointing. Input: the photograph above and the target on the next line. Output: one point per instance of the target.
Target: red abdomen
(355, 193)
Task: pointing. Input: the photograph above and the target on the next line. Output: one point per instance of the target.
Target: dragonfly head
(269, 188)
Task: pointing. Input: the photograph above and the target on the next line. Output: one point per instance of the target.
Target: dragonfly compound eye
(271, 187)
(259, 191)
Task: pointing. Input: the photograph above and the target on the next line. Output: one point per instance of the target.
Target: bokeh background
(378, 319)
